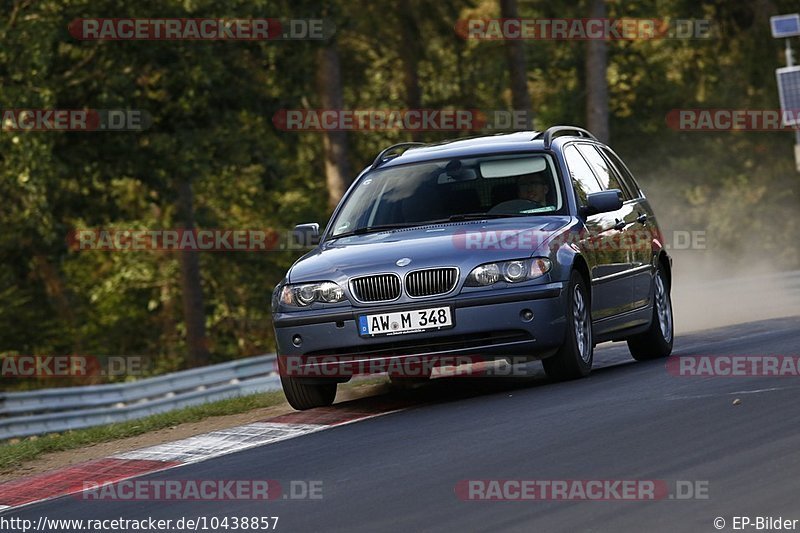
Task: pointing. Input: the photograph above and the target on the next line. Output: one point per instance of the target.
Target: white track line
(222, 442)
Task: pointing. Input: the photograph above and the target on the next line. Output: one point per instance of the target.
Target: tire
(656, 342)
(574, 358)
(302, 396)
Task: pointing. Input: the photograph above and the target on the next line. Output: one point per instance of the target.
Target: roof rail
(383, 156)
(552, 131)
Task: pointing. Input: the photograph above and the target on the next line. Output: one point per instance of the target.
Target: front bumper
(488, 325)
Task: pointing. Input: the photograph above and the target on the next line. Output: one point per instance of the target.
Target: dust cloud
(709, 292)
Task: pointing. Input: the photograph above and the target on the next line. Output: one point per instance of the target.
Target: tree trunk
(517, 66)
(596, 80)
(329, 87)
(193, 306)
(55, 287)
(410, 52)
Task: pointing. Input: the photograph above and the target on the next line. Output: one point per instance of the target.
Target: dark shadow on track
(609, 359)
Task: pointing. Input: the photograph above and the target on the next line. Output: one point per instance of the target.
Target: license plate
(403, 322)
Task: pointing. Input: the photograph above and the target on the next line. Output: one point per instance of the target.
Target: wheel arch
(580, 265)
(665, 264)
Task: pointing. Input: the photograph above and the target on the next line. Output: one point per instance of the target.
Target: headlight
(307, 293)
(509, 271)
(484, 275)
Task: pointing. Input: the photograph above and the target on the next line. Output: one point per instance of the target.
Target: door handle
(620, 225)
(642, 218)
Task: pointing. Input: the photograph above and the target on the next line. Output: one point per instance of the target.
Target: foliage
(212, 105)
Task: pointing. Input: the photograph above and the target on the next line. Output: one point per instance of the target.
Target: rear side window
(606, 173)
(583, 179)
(624, 173)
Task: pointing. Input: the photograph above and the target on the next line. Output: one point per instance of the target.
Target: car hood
(461, 244)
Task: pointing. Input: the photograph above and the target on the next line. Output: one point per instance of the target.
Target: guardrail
(23, 414)
(38, 412)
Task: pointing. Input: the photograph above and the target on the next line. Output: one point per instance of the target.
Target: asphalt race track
(627, 421)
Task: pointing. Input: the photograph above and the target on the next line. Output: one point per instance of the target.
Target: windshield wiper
(454, 218)
(481, 216)
(376, 229)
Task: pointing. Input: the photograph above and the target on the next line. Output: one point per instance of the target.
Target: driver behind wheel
(534, 188)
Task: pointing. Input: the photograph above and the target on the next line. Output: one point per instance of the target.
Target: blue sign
(785, 25)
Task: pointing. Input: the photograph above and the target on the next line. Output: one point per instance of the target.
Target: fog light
(297, 340)
(526, 315)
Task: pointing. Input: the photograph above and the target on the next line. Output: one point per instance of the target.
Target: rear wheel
(656, 342)
(303, 395)
(574, 357)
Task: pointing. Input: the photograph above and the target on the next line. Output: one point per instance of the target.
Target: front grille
(378, 288)
(431, 282)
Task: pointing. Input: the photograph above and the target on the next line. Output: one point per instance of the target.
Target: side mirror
(603, 202)
(305, 235)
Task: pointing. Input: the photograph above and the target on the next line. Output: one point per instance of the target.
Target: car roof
(489, 144)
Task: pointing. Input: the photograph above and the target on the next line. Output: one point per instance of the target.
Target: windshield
(453, 189)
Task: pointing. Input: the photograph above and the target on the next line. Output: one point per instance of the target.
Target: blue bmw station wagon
(537, 245)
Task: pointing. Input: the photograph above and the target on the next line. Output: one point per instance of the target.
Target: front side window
(625, 174)
(451, 190)
(583, 179)
(604, 172)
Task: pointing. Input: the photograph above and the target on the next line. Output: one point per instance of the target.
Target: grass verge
(15, 452)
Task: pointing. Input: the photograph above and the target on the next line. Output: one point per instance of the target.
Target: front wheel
(656, 342)
(574, 357)
(302, 395)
